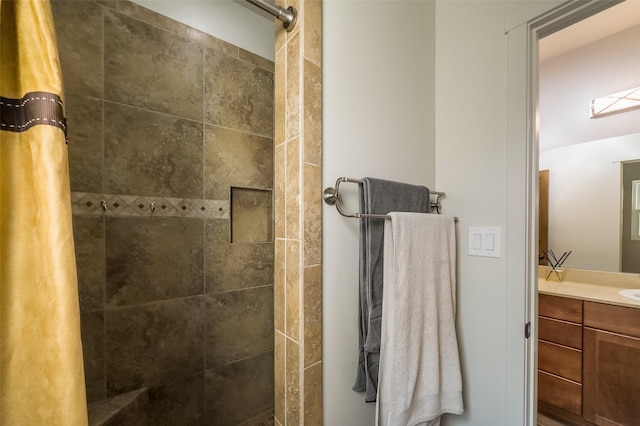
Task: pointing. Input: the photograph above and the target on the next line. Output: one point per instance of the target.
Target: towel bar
(331, 196)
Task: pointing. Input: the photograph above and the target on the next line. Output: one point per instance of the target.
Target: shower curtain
(41, 367)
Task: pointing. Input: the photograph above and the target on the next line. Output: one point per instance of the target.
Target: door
(522, 175)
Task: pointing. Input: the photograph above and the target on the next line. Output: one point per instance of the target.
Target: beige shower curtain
(41, 368)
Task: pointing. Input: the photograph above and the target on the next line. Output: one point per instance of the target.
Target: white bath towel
(420, 375)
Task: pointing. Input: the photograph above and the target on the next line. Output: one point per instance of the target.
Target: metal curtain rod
(288, 16)
(331, 196)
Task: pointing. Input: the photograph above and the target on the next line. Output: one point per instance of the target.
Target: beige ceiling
(601, 25)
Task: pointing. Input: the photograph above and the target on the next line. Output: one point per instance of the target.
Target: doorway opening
(566, 36)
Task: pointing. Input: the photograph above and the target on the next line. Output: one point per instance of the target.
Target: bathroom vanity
(589, 352)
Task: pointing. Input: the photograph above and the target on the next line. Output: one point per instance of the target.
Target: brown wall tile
(148, 153)
(84, 132)
(279, 285)
(153, 344)
(292, 189)
(92, 325)
(230, 266)
(150, 259)
(313, 395)
(292, 391)
(312, 113)
(294, 70)
(279, 376)
(279, 191)
(313, 31)
(152, 68)
(79, 33)
(292, 290)
(234, 158)
(312, 215)
(239, 391)
(280, 97)
(179, 402)
(88, 234)
(239, 324)
(238, 94)
(312, 315)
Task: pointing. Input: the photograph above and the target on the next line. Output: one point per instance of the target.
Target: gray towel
(378, 196)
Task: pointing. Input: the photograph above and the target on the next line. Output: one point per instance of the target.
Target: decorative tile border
(84, 203)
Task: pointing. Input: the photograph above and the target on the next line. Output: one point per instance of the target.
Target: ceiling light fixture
(618, 102)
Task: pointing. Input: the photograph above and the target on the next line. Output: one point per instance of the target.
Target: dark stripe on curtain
(19, 115)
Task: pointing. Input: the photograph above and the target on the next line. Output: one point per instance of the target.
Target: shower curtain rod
(288, 16)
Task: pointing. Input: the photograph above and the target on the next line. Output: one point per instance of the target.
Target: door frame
(522, 189)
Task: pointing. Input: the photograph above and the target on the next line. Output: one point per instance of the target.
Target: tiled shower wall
(171, 158)
(298, 218)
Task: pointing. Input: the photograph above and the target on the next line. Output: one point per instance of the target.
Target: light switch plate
(484, 241)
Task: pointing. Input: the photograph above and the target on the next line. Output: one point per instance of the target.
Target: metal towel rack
(331, 196)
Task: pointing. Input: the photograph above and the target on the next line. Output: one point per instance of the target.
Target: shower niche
(251, 215)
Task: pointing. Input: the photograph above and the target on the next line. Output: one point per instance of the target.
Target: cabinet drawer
(560, 308)
(561, 332)
(617, 319)
(560, 360)
(560, 392)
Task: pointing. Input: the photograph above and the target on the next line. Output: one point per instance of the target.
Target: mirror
(585, 156)
(585, 198)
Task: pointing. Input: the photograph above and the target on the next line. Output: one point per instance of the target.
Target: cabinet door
(611, 379)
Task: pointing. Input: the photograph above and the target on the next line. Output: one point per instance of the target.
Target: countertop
(594, 286)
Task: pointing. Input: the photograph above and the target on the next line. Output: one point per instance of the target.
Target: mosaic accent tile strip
(86, 203)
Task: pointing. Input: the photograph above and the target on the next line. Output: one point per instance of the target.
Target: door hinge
(527, 330)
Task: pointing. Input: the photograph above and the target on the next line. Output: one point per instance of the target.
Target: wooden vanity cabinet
(588, 362)
(560, 353)
(611, 381)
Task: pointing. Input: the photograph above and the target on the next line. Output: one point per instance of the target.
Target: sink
(631, 293)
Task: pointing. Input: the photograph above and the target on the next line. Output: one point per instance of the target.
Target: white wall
(373, 107)
(228, 20)
(476, 151)
(584, 200)
(569, 82)
(378, 94)
(471, 83)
